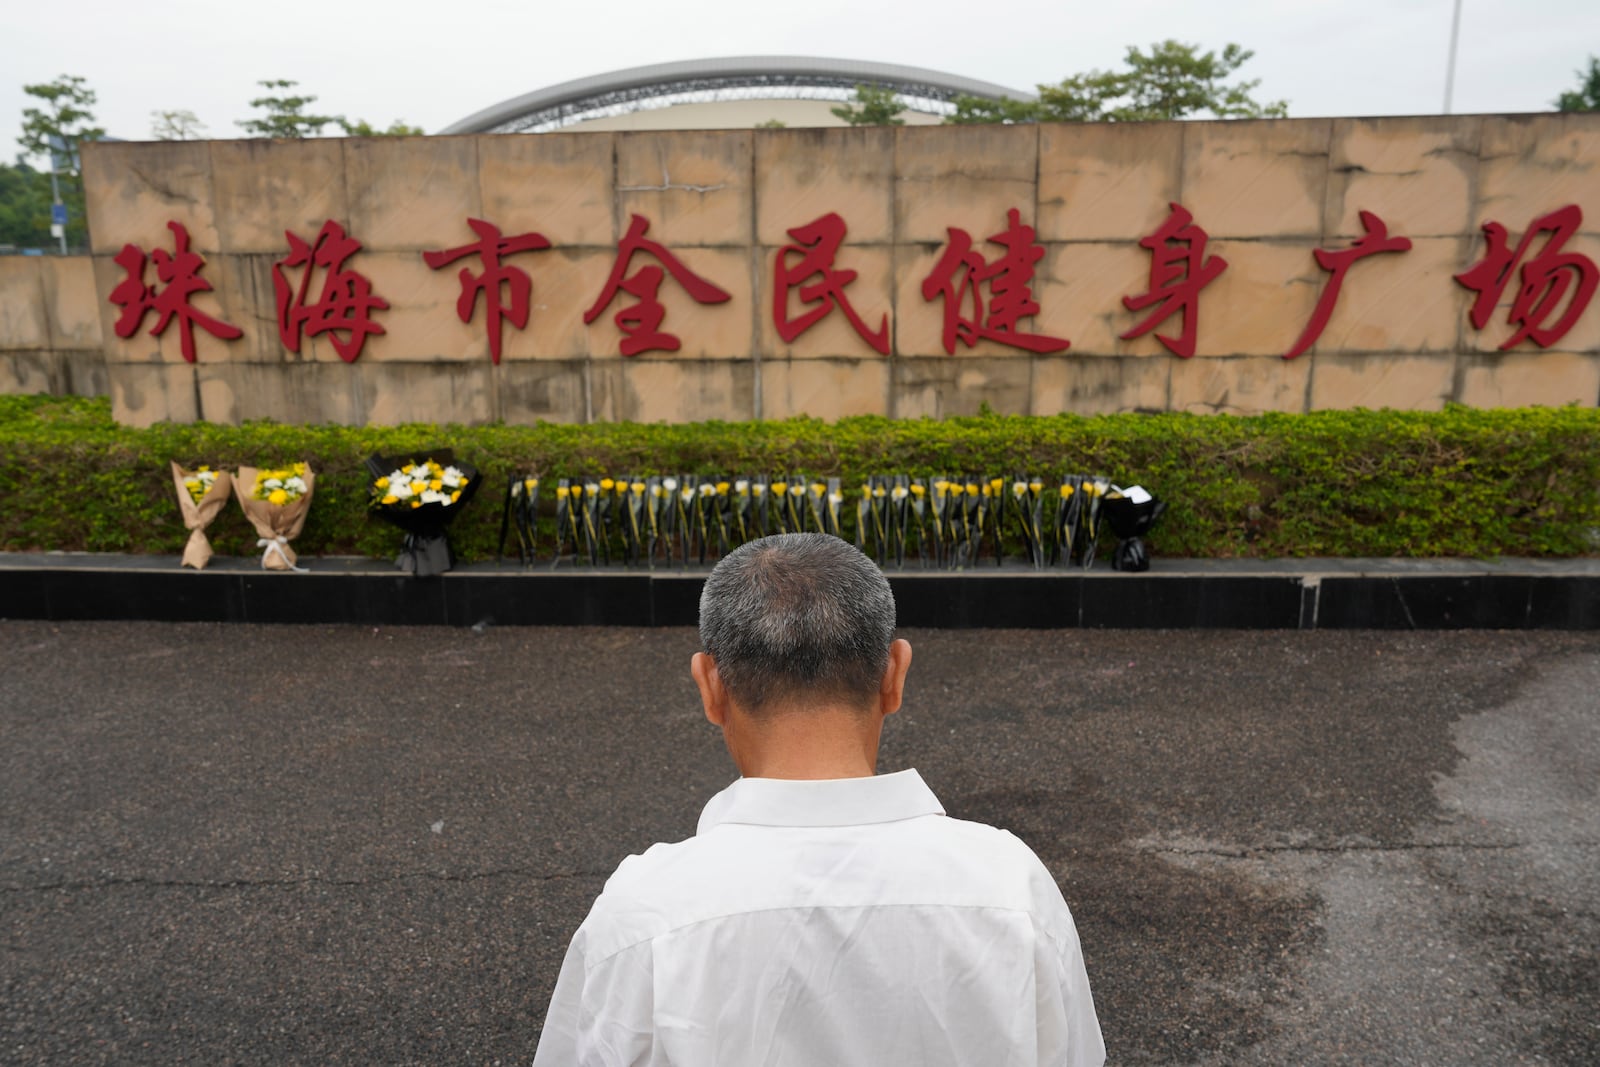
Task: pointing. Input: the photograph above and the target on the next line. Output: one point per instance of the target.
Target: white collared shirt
(826, 923)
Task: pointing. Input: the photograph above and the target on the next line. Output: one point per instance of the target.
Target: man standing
(820, 915)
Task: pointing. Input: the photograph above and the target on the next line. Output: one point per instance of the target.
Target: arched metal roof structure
(706, 80)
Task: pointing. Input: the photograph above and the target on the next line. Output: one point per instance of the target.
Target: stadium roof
(709, 80)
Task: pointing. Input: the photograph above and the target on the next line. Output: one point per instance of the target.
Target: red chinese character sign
(497, 284)
(811, 257)
(984, 300)
(179, 274)
(344, 305)
(1550, 279)
(640, 322)
(1179, 269)
(1376, 239)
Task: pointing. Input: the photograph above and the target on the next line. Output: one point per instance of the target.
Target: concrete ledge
(1174, 594)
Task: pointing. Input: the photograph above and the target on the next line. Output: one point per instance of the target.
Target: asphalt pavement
(236, 844)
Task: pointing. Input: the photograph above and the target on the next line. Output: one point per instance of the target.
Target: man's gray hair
(801, 616)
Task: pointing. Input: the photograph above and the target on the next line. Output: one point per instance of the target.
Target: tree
(175, 126)
(285, 115)
(362, 128)
(1172, 81)
(875, 105)
(24, 207)
(1586, 97)
(53, 132)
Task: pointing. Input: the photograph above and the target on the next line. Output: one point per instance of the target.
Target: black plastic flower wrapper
(1130, 520)
(426, 549)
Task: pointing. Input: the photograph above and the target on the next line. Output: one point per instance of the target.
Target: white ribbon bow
(276, 544)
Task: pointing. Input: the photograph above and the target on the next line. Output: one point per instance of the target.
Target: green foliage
(285, 115)
(1172, 81)
(24, 207)
(875, 105)
(52, 133)
(1586, 97)
(1462, 482)
(362, 128)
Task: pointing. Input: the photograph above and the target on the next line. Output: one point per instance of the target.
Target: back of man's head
(797, 619)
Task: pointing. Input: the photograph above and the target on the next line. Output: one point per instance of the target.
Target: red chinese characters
(179, 274)
(1179, 269)
(1376, 239)
(1548, 280)
(344, 306)
(640, 323)
(961, 276)
(811, 256)
(494, 280)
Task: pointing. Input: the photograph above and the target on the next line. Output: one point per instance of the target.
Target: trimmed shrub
(1462, 482)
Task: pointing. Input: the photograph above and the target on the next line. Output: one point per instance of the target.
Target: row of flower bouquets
(935, 522)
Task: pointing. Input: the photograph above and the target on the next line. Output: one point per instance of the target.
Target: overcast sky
(433, 63)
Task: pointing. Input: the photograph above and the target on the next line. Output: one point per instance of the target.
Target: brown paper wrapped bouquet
(202, 494)
(276, 501)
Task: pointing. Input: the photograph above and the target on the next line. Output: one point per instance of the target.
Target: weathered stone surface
(425, 392)
(305, 392)
(1396, 302)
(1404, 382)
(263, 188)
(1269, 194)
(965, 177)
(804, 174)
(870, 295)
(1107, 181)
(938, 386)
(692, 185)
(1257, 306)
(542, 390)
(24, 318)
(133, 190)
(71, 301)
(421, 323)
(1533, 164)
(1100, 385)
(1415, 174)
(1079, 289)
(566, 283)
(556, 184)
(1525, 379)
(824, 388)
(704, 331)
(1239, 385)
(143, 394)
(413, 193)
(1256, 179)
(672, 390)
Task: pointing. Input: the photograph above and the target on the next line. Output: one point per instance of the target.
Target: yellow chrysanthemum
(278, 497)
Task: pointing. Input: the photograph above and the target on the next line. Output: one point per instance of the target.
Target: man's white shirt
(836, 922)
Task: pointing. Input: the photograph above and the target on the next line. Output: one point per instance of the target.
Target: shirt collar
(824, 802)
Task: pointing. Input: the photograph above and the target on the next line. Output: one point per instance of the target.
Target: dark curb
(1174, 594)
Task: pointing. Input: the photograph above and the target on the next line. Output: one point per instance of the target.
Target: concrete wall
(1267, 193)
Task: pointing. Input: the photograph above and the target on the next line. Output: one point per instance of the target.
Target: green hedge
(1461, 482)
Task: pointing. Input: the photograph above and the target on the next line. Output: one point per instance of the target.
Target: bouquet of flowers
(276, 502)
(421, 496)
(1131, 513)
(202, 494)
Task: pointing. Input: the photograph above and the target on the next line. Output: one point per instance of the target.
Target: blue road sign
(58, 214)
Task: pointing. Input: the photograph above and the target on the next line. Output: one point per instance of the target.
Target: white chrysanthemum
(742, 485)
(433, 496)
(669, 484)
